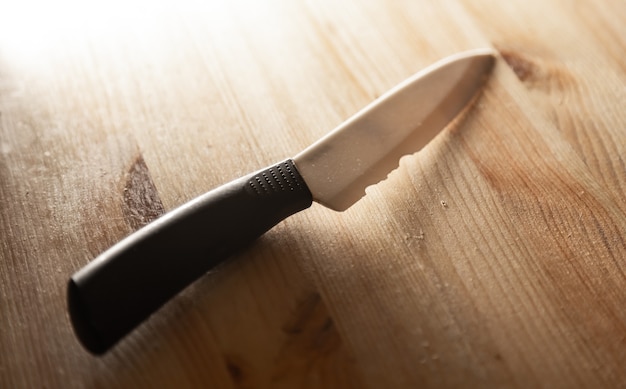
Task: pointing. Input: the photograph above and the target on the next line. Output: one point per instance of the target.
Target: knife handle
(114, 293)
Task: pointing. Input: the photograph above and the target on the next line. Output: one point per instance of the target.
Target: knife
(119, 289)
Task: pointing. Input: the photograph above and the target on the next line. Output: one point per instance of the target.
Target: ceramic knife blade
(366, 147)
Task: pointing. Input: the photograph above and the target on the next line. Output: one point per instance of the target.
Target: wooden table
(495, 257)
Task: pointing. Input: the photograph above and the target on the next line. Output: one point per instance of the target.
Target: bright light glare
(31, 27)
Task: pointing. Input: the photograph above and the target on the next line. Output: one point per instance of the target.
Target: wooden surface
(495, 257)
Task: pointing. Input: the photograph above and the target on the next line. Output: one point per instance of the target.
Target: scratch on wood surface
(142, 203)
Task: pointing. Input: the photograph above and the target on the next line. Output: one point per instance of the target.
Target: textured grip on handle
(118, 290)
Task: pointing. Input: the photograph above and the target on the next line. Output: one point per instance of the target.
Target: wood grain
(493, 258)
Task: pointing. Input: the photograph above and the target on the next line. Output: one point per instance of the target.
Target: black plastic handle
(118, 290)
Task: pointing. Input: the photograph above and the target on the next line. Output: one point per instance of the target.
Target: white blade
(365, 148)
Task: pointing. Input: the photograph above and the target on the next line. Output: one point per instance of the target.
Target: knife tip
(481, 52)
(485, 55)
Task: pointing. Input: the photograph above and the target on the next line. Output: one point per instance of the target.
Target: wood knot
(142, 203)
(312, 343)
(537, 73)
(523, 67)
(239, 370)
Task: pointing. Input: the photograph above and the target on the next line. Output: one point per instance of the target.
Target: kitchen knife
(119, 289)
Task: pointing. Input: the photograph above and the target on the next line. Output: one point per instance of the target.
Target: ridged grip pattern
(278, 178)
